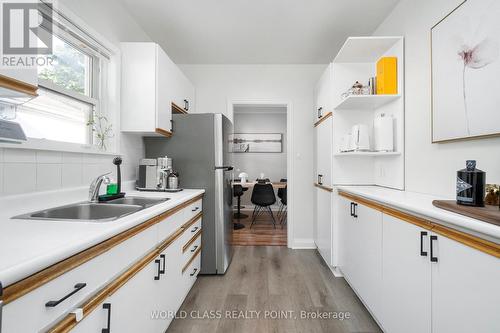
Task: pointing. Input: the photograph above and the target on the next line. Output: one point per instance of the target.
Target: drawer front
(169, 225)
(29, 313)
(191, 231)
(194, 209)
(191, 273)
(190, 247)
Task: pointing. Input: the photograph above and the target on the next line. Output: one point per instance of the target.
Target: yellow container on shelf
(387, 76)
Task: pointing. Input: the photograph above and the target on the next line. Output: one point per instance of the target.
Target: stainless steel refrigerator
(199, 149)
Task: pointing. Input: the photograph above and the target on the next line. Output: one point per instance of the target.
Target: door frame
(231, 103)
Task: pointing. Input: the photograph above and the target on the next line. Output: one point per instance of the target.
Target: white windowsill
(43, 144)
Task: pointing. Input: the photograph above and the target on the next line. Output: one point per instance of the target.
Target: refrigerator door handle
(225, 168)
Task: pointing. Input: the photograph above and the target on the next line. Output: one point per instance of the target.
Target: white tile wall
(24, 170)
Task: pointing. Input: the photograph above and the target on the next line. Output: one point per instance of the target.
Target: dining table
(276, 185)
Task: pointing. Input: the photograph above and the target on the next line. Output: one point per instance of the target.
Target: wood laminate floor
(261, 233)
(272, 278)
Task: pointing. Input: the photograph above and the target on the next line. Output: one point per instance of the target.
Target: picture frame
(256, 143)
(465, 62)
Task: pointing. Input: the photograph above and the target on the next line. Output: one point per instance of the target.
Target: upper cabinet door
(323, 93)
(465, 289)
(165, 89)
(324, 152)
(151, 83)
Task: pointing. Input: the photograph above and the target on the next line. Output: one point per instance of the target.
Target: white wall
(23, 170)
(431, 168)
(273, 165)
(217, 84)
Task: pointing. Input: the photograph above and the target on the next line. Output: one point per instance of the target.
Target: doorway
(260, 157)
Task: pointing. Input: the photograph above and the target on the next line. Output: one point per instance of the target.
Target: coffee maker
(147, 175)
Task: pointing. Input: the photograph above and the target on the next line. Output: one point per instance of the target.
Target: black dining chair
(238, 191)
(284, 212)
(280, 196)
(263, 198)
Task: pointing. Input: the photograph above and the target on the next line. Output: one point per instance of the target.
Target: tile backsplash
(24, 170)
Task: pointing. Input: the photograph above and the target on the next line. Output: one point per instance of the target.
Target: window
(72, 88)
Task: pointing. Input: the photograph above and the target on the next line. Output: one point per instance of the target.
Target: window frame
(105, 67)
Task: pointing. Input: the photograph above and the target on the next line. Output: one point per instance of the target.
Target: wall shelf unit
(365, 102)
(357, 61)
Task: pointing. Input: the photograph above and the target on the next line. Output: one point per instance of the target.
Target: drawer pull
(78, 287)
(162, 270)
(422, 235)
(157, 277)
(194, 248)
(194, 210)
(194, 229)
(194, 272)
(433, 258)
(107, 306)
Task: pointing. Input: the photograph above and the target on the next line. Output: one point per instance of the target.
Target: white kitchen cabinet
(133, 305)
(28, 75)
(361, 244)
(151, 82)
(323, 93)
(465, 289)
(170, 292)
(18, 85)
(324, 152)
(406, 277)
(324, 224)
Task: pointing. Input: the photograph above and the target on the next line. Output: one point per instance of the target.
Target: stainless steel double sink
(93, 212)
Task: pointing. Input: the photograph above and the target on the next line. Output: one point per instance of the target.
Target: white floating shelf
(368, 153)
(365, 102)
(365, 49)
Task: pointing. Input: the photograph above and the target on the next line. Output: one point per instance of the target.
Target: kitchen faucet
(96, 185)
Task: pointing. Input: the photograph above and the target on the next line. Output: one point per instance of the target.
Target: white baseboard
(302, 244)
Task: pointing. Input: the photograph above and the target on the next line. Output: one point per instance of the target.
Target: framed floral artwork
(465, 53)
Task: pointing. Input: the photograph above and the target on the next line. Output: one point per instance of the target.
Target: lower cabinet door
(346, 237)
(170, 291)
(136, 307)
(324, 224)
(465, 289)
(406, 270)
(368, 256)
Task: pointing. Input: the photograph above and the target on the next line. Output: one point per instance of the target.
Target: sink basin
(89, 212)
(141, 201)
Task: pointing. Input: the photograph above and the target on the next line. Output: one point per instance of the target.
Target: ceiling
(256, 31)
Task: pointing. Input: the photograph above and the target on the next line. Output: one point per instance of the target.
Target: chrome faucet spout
(96, 185)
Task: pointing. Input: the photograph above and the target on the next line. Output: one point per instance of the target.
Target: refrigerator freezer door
(224, 193)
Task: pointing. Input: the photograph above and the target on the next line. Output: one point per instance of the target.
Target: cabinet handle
(355, 210)
(78, 287)
(194, 248)
(352, 209)
(162, 270)
(320, 109)
(194, 229)
(422, 235)
(194, 272)
(320, 179)
(433, 259)
(107, 306)
(186, 105)
(194, 210)
(157, 262)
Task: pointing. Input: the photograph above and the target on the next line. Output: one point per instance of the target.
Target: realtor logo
(26, 28)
